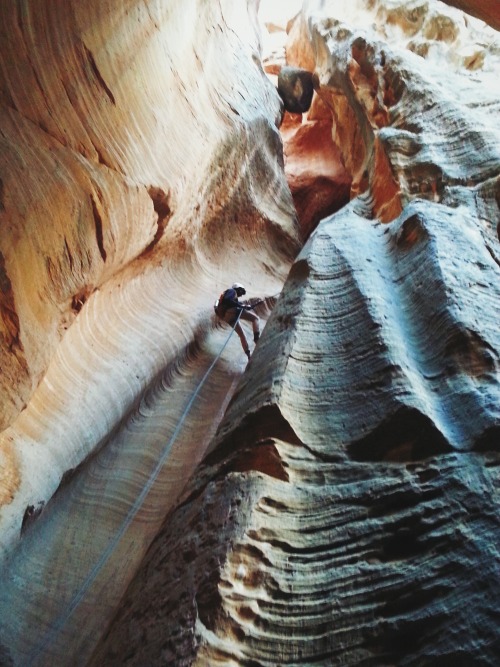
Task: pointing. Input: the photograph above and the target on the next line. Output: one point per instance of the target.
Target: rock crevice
(333, 502)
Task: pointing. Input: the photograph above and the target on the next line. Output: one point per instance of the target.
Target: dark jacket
(227, 300)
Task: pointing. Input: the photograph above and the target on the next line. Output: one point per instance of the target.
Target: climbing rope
(79, 596)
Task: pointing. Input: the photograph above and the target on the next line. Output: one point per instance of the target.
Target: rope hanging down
(79, 596)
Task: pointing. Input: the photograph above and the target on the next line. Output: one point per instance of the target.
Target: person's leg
(244, 343)
(248, 316)
(230, 317)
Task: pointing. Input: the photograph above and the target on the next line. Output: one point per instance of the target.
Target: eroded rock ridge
(334, 502)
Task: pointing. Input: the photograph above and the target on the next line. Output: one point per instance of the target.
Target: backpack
(219, 308)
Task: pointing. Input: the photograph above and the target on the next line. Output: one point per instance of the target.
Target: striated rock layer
(346, 512)
(140, 174)
(351, 515)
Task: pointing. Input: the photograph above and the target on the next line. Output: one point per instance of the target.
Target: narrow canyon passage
(333, 502)
(115, 313)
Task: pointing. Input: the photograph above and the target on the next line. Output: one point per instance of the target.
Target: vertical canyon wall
(346, 512)
(141, 174)
(336, 502)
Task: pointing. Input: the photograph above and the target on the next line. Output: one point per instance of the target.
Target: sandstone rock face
(141, 174)
(486, 10)
(351, 516)
(346, 512)
(337, 502)
(318, 180)
(319, 183)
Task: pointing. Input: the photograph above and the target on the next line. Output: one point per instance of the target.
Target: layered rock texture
(336, 501)
(141, 175)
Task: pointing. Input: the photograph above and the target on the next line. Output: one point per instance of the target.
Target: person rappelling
(230, 310)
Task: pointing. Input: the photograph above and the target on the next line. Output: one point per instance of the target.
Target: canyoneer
(229, 309)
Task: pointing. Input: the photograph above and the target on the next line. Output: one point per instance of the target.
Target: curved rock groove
(126, 530)
(346, 509)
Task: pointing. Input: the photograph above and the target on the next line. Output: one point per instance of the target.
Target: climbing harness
(79, 596)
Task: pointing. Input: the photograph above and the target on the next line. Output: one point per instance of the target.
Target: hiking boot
(247, 352)
(256, 336)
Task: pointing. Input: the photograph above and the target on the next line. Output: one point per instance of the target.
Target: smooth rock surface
(318, 180)
(487, 10)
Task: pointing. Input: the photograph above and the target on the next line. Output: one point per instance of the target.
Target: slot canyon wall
(336, 500)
